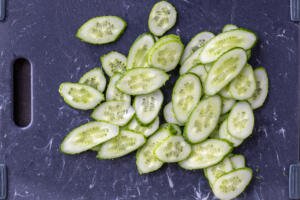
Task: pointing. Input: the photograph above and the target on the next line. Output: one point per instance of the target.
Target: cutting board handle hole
(22, 94)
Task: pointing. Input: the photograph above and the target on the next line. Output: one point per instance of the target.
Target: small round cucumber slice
(87, 136)
(147, 106)
(101, 30)
(241, 120)
(225, 69)
(186, 94)
(191, 61)
(166, 53)
(169, 114)
(113, 62)
(196, 42)
(147, 130)
(232, 184)
(139, 81)
(94, 78)
(244, 85)
(80, 96)
(224, 134)
(214, 172)
(238, 161)
(162, 18)
(261, 92)
(137, 56)
(125, 143)
(229, 27)
(206, 154)
(200, 71)
(173, 149)
(227, 105)
(112, 93)
(203, 120)
(115, 112)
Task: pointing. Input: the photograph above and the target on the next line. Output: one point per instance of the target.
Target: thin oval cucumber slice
(162, 18)
(227, 105)
(186, 94)
(225, 69)
(101, 30)
(87, 136)
(206, 154)
(232, 184)
(147, 130)
(139, 81)
(113, 62)
(241, 120)
(225, 92)
(244, 85)
(203, 120)
(196, 42)
(125, 143)
(169, 114)
(262, 85)
(112, 93)
(200, 71)
(238, 161)
(173, 149)
(94, 78)
(191, 61)
(80, 96)
(229, 27)
(223, 42)
(214, 172)
(115, 112)
(137, 56)
(147, 106)
(224, 134)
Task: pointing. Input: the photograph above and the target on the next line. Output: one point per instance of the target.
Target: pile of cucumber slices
(212, 105)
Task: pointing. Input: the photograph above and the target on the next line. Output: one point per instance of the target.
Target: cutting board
(43, 32)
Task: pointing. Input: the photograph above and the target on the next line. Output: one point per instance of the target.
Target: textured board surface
(43, 31)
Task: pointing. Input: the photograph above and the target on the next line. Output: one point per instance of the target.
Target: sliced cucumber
(232, 184)
(166, 53)
(223, 42)
(137, 56)
(241, 120)
(125, 143)
(186, 94)
(200, 71)
(261, 92)
(206, 154)
(203, 119)
(169, 114)
(214, 172)
(113, 62)
(224, 134)
(147, 106)
(147, 130)
(225, 69)
(196, 42)
(80, 96)
(112, 93)
(162, 18)
(173, 149)
(101, 30)
(229, 27)
(191, 61)
(244, 85)
(139, 81)
(227, 105)
(115, 112)
(87, 136)
(94, 78)
(225, 92)
(238, 161)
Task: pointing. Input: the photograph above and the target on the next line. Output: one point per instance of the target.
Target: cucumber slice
(147, 106)
(206, 154)
(229, 27)
(94, 78)
(125, 143)
(232, 184)
(238, 161)
(80, 96)
(223, 42)
(186, 94)
(139, 81)
(261, 92)
(224, 134)
(196, 42)
(166, 53)
(113, 62)
(112, 93)
(191, 61)
(115, 112)
(225, 92)
(162, 18)
(147, 130)
(244, 85)
(225, 69)
(214, 172)
(227, 105)
(169, 114)
(137, 56)
(173, 149)
(87, 136)
(241, 120)
(203, 119)
(200, 71)
(101, 30)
